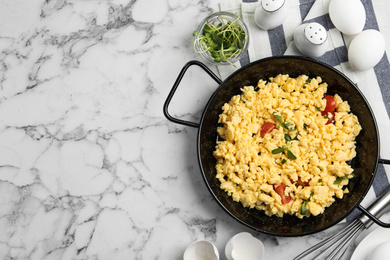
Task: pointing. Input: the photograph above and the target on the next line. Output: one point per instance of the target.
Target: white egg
(380, 252)
(201, 250)
(244, 246)
(366, 50)
(348, 16)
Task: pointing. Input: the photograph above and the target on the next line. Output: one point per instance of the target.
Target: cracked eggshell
(201, 250)
(244, 246)
(348, 16)
(366, 50)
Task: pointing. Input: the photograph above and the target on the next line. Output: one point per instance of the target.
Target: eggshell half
(201, 250)
(366, 50)
(244, 246)
(348, 16)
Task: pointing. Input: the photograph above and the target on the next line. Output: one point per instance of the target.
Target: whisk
(334, 247)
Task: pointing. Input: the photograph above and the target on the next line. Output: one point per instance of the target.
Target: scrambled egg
(300, 166)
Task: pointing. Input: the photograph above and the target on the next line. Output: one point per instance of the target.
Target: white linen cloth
(374, 83)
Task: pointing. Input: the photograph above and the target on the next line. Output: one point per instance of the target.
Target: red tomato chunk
(330, 103)
(280, 190)
(266, 128)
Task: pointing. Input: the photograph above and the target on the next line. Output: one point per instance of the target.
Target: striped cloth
(374, 83)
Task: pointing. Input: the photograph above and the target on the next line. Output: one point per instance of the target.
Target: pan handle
(383, 161)
(375, 210)
(378, 208)
(176, 84)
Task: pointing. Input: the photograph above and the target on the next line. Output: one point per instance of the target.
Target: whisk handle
(376, 210)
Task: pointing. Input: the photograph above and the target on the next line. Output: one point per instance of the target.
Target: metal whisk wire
(335, 245)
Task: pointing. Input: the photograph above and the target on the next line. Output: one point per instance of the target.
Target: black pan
(367, 143)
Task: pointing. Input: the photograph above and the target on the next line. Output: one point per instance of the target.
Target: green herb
(282, 149)
(284, 161)
(305, 126)
(223, 40)
(308, 80)
(278, 117)
(291, 155)
(326, 117)
(340, 179)
(278, 150)
(282, 124)
(289, 139)
(319, 180)
(303, 207)
(318, 108)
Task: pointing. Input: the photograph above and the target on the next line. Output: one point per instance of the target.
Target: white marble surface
(89, 166)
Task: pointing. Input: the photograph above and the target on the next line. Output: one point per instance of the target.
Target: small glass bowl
(215, 19)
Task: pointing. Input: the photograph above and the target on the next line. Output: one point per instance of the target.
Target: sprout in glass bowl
(221, 38)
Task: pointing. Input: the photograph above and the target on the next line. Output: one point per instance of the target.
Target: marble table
(89, 167)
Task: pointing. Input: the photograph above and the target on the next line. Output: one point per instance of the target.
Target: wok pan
(364, 164)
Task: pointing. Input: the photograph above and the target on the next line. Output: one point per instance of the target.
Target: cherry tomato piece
(302, 183)
(280, 190)
(330, 103)
(266, 128)
(330, 118)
